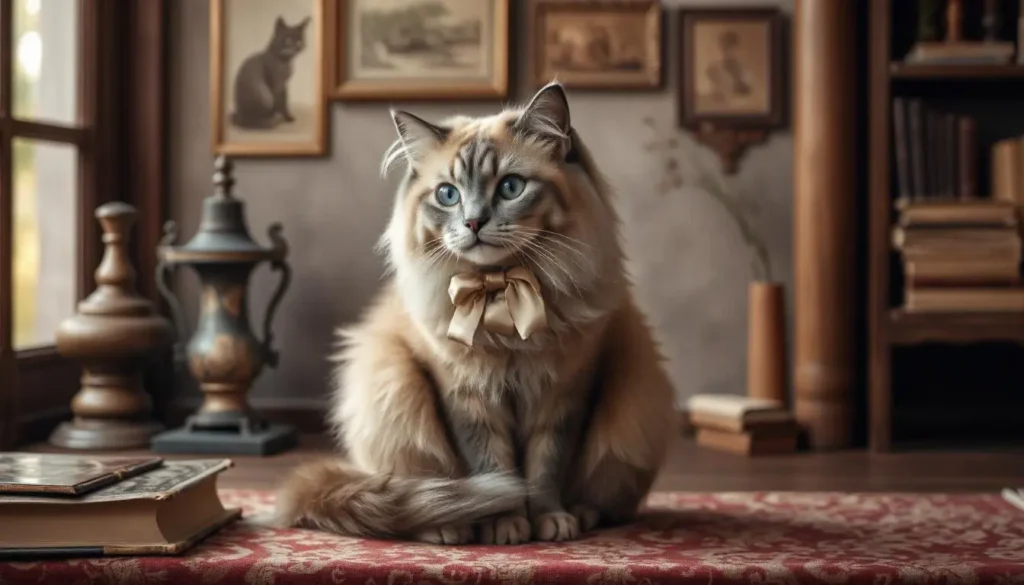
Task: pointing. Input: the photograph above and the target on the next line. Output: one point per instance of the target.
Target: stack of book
(960, 255)
(80, 505)
(742, 425)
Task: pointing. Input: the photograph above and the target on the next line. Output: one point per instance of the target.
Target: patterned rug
(718, 538)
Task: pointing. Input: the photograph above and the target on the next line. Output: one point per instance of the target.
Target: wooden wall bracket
(729, 143)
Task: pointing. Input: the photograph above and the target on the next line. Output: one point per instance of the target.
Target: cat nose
(475, 224)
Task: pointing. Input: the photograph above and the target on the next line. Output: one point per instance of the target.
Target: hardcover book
(164, 511)
(71, 475)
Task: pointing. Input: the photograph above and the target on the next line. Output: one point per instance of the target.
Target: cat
(261, 84)
(542, 431)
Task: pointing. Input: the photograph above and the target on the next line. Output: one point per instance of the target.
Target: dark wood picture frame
(317, 39)
(342, 88)
(650, 78)
(730, 135)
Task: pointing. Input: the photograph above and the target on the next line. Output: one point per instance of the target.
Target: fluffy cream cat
(503, 386)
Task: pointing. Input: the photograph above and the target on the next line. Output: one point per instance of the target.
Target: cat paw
(288, 118)
(505, 530)
(587, 516)
(555, 527)
(447, 535)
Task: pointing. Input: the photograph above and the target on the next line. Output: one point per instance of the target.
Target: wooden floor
(691, 468)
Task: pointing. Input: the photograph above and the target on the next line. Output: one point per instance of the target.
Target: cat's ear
(304, 22)
(416, 136)
(547, 117)
(279, 24)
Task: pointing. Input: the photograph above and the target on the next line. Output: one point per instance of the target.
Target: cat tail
(333, 495)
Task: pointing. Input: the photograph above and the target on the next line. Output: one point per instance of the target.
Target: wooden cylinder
(766, 342)
(824, 92)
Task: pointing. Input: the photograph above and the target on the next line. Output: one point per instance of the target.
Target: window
(57, 71)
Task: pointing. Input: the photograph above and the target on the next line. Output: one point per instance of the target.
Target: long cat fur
(508, 440)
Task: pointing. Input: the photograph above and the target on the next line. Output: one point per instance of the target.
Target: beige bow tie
(505, 302)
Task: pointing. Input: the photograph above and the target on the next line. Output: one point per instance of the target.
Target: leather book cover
(949, 154)
(1006, 178)
(948, 214)
(69, 475)
(967, 159)
(917, 147)
(899, 121)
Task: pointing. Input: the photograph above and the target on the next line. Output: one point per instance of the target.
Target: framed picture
(732, 67)
(419, 49)
(267, 77)
(615, 44)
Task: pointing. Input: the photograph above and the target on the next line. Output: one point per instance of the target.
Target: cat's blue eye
(447, 195)
(511, 187)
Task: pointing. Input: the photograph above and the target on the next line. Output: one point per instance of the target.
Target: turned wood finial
(116, 270)
(113, 336)
(223, 176)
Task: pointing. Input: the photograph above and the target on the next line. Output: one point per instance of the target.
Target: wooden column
(824, 94)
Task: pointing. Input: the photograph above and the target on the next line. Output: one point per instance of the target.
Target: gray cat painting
(261, 84)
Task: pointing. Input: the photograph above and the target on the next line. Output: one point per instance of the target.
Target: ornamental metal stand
(224, 355)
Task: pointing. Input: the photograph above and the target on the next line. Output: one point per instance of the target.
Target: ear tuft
(547, 116)
(415, 137)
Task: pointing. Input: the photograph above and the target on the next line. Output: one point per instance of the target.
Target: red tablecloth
(693, 538)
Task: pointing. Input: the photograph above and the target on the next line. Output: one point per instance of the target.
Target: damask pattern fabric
(723, 538)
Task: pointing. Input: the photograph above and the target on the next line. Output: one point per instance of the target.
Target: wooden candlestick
(766, 342)
(115, 334)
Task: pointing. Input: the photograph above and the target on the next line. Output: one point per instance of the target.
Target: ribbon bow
(505, 302)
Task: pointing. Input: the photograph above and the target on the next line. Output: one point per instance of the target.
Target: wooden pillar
(824, 94)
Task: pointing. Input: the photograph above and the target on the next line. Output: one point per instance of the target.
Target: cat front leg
(282, 105)
(547, 457)
(483, 434)
(629, 430)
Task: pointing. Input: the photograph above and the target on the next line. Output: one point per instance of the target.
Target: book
(956, 214)
(949, 52)
(743, 409)
(915, 117)
(1007, 182)
(1007, 299)
(765, 421)
(965, 243)
(899, 122)
(939, 272)
(967, 157)
(72, 475)
(749, 443)
(164, 511)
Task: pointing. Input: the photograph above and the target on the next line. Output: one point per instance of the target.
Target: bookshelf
(967, 88)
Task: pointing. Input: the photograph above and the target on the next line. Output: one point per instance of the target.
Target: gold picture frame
(628, 36)
(259, 125)
(380, 56)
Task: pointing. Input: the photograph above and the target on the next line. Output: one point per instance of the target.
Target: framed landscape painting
(267, 77)
(418, 49)
(615, 44)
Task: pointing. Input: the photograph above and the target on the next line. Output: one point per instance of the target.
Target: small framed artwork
(615, 44)
(267, 77)
(418, 49)
(732, 77)
(732, 61)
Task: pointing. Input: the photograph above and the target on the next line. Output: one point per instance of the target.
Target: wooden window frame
(121, 141)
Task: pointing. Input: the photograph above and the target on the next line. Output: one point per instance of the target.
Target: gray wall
(689, 263)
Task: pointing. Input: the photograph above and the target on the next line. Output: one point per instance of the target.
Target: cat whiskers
(540, 256)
